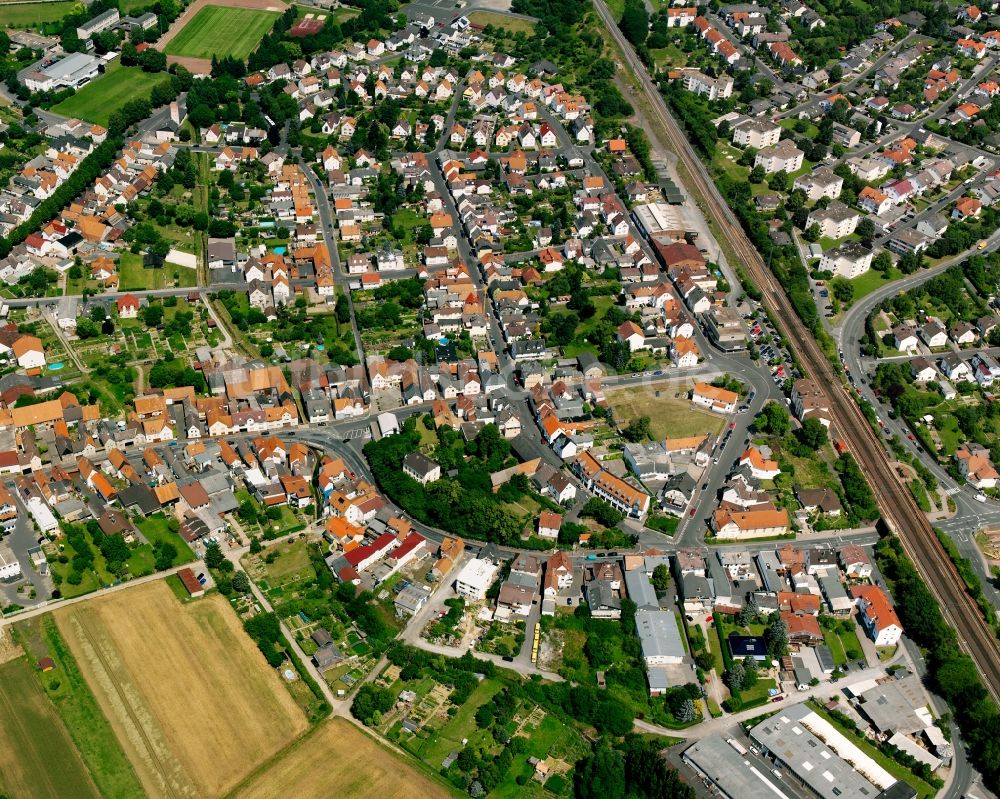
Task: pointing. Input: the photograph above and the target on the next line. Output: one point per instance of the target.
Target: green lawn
(135, 277)
(871, 280)
(947, 427)
(220, 31)
(511, 24)
(29, 15)
(664, 524)
(810, 472)
(836, 647)
(670, 416)
(789, 124)
(669, 57)
(292, 560)
(91, 580)
(39, 756)
(715, 645)
(849, 640)
(156, 528)
(98, 100)
(758, 694)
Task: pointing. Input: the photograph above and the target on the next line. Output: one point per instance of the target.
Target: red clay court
(307, 27)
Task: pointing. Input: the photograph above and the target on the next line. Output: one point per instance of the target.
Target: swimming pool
(280, 250)
(55, 367)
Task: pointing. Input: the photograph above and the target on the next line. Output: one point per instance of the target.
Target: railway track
(898, 508)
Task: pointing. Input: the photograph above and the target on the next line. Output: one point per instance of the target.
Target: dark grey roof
(141, 497)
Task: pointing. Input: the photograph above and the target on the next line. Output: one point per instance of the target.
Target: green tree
(600, 775)
(661, 578)
(779, 181)
(776, 637)
(866, 229)
(882, 262)
(774, 419)
(843, 290)
(639, 429)
(214, 556)
(370, 702)
(86, 328)
(635, 21)
(812, 434)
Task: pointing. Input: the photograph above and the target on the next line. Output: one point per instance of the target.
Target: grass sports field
(221, 31)
(185, 689)
(99, 99)
(325, 763)
(30, 15)
(37, 757)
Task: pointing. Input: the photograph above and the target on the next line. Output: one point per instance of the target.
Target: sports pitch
(100, 98)
(220, 31)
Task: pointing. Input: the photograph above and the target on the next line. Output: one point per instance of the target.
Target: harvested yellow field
(337, 759)
(188, 694)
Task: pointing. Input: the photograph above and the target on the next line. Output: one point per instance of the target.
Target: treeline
(91, 168)
(968, 574)
(960, 237)
(860, 500)
(265, 630)
(952, 673)
(694, 116)
(784, 259)
(630, 768)
(552, 13)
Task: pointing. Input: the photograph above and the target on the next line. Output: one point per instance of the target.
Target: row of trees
(92, 167)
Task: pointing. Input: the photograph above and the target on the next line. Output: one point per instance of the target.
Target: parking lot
(766, 339)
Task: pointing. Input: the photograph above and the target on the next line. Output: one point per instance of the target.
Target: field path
(203, 66)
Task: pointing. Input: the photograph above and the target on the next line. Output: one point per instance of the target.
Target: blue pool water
(443, 341)
(55, 367)
(279, 250)
(321, 347)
